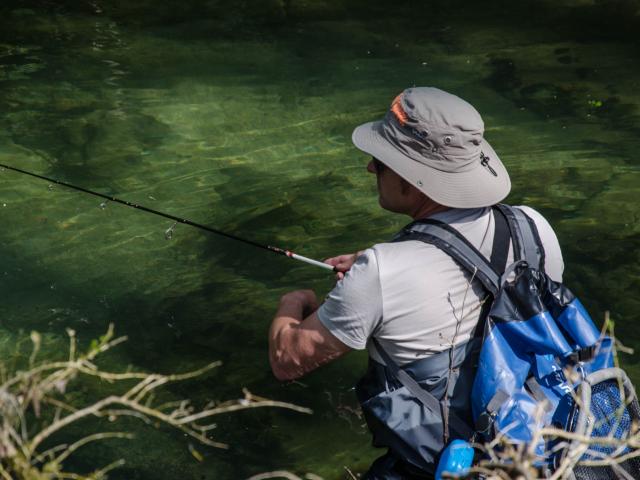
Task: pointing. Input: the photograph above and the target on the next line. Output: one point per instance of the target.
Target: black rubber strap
(536, 236)
(516, 237)
(498, 260)
(501, 241)
(526, 241)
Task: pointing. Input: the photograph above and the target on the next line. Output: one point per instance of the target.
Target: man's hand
(342, 263)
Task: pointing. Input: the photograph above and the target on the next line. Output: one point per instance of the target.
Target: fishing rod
(185, 221)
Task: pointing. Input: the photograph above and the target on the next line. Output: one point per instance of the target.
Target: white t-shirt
(414, 298)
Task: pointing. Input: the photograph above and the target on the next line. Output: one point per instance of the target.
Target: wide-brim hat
(435, 141)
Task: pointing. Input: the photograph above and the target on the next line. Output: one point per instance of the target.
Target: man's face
(394, 193)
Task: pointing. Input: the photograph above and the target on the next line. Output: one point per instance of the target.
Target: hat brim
(473, 188)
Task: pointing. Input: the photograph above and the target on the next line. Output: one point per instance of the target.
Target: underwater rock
(50, 98)
(504, 75)
(549, 99)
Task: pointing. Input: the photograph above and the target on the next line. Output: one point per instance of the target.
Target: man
(408, 301)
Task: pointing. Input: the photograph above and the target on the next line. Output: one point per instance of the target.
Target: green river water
(239, 115)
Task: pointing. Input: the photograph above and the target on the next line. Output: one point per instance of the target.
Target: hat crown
(439, 119)
(438, 108)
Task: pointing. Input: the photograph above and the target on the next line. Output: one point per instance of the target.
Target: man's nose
(371, 168)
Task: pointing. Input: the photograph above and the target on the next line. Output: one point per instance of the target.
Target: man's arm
(297, 344)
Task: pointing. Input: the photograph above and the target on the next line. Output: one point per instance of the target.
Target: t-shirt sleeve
(553, 263)
(353, 309)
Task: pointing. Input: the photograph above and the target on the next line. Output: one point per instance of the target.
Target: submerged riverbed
(238, 115)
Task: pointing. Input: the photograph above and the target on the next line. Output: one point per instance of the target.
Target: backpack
(535, 331)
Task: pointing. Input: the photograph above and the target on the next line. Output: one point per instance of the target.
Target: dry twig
(26, 395)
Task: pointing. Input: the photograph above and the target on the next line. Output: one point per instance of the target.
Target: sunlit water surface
(239, 116)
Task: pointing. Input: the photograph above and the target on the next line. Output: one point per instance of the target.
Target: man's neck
(427, 208)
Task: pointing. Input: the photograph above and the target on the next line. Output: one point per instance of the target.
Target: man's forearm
(281, 357)
(298, 342)
(289, 314)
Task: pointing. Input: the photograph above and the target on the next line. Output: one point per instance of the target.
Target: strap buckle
(583, 355)
(485, 422)
(487, 418)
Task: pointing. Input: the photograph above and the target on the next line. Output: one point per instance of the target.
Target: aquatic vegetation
(239, 115)
(36, 406)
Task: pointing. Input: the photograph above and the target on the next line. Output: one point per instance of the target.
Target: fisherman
(408, 301)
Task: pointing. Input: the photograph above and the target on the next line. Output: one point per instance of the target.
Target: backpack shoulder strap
(501, 241)
(526, 240)
(450, 241)
(498, 260)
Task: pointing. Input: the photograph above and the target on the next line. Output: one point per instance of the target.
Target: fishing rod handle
(310, 261)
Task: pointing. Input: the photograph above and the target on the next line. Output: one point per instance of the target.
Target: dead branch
(27, 394)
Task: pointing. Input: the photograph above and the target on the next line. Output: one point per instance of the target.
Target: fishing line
(185, 221)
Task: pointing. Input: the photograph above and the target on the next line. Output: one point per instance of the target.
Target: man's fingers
(346, 263)
(330, 261)
(342, 263)
(335, 261)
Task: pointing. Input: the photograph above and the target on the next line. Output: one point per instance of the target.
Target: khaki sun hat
(434, 140)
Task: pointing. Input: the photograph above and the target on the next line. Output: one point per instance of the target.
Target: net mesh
(613, 416)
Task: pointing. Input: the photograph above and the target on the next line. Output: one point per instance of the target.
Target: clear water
(239, 115)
